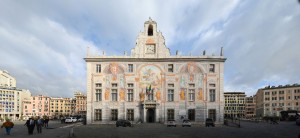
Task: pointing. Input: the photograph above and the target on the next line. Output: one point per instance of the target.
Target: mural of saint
(191, 70)
(158, 95)
(182, 82)
(122, 82)
(113, 67)
(150, 75)
(122, 94)
(142, 96)
(200, 94)
(200, 81)
(107, 81)
(106, 94)
(182, 96)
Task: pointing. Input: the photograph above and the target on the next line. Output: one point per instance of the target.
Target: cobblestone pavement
(55, 130)
(247, 130)
(154, 130)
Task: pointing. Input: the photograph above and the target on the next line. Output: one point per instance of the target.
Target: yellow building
(234, 104)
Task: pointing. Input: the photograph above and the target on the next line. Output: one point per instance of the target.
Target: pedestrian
(39, 124)
(46, 122)
(8, 126)
(30, 123)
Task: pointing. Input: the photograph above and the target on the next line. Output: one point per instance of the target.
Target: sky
(43, 43)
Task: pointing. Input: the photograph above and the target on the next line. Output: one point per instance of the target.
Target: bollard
(71, 133)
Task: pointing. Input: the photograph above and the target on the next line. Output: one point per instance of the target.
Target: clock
(150, 49)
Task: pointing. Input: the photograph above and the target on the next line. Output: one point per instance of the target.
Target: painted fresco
(150, 75)
(113, 67)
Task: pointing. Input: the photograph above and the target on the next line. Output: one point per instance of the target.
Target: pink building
(36, 106)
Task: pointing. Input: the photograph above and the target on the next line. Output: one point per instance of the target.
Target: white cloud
(42, 43)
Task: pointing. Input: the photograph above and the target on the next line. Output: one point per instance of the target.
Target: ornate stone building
(151, 85)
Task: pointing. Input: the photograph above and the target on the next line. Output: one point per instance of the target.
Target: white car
(171, 123)
(186, 123)
(70, 119)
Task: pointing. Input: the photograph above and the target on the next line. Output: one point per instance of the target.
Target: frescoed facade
(151, 85)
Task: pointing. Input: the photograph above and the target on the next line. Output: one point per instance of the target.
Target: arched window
(150, 30)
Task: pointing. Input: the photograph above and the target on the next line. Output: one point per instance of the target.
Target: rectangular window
(130, 115)
(98, 85)
(191, 114)
(114, 114)
(212, 114)
(212, 68)
(171, 85)
(212, 95)
(212, 85)
(130, 67)
(98, 94)
(130, 85)
(98, 68)
(98, 114)
(114, 85)
(267, 93)
(170, 95)
(114, 95)
(170, 114)
(170, 67)
(191, 94)
(129, 95)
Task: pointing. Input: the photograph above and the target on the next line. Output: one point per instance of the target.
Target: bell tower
(150, 43)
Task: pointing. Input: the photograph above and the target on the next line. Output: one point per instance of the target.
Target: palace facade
(151, 85)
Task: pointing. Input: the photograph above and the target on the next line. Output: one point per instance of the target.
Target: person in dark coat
(30, 123)
(39, 124)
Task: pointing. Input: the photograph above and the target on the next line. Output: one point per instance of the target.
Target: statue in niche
(200, 94)
(158, 95)
(142, 96)
(182, 96)
(122, 94)
(106, 94)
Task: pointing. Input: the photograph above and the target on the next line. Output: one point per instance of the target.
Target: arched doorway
(150, 116)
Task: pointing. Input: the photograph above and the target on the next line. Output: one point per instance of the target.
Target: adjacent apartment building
(250, 107)
(36, 106)
(273, 99)
(234, 104)
(151, 85)
(80, 100)
(11, 97)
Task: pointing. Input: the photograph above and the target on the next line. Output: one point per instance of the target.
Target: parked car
(123, 123)
(80, 119)
(209, 122)
(187, 123)
(171, 123)
(70, 119)
(298, 122)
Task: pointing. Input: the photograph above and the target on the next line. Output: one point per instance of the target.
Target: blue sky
(43, 43)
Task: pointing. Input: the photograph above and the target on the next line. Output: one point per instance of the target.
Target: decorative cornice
(95, 59)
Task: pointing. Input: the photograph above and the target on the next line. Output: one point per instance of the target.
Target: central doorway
(150, 116)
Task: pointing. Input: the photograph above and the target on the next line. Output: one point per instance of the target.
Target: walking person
(39, 124)
(8, 126)
(30, 123)
(46, 122)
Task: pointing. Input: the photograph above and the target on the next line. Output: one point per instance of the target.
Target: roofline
(154, 59)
